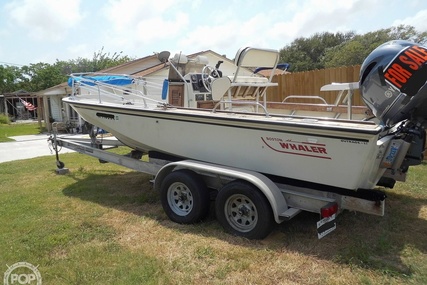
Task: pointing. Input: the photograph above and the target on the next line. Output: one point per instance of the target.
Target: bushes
(4, 119)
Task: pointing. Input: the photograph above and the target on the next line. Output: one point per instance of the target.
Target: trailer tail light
(329, 210)
(327, 224)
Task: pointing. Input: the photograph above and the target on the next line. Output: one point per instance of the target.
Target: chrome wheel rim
(180, 199)
(241, 213)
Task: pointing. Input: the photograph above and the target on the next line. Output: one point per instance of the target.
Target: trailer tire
(60, 164)
(243, 210)
(185, 197)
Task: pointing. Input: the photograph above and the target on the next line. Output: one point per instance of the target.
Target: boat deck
(290, 120)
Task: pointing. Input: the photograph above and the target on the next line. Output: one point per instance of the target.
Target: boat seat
(256, 57)
(219, 87)
(243, 86)
(248, 79)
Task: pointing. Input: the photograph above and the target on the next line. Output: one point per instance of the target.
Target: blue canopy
(107, 79)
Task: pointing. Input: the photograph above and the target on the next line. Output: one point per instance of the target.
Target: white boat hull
(344, 154)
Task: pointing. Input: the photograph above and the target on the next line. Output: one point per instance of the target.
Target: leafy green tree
(101, 60)
(355, 50)
(406, 32)
(342, 49)
(40, 76)
(307, 53)
(9, 77)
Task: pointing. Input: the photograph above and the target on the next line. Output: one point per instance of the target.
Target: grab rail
(115, 92)
(267, 114)
(345, 89)
(305, 97)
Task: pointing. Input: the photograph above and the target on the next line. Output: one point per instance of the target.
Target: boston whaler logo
(310, 149)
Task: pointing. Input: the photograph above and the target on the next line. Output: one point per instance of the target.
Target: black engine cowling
(393, 82)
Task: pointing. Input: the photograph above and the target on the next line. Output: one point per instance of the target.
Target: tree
(9, 76)
(307, 53)
(355, 50)
(342, 49)
(100, 61)
(40, 76)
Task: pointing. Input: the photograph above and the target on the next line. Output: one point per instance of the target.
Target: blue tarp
(107, 79)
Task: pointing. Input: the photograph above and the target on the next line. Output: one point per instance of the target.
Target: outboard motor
(393, 82)
(393, 85)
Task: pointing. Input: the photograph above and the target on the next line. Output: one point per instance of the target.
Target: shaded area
(385, 244)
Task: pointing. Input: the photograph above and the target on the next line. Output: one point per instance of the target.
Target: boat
(207, 116)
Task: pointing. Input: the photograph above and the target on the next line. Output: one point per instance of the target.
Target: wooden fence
(310, 82)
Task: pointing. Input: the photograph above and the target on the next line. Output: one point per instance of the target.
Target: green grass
(4, 119)
(103, 224)
(18, 129)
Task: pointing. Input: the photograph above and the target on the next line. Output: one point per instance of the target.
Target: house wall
(154, 88)
(56, 108)
(228, 67)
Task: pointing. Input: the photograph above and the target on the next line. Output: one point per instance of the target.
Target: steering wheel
(208, 74)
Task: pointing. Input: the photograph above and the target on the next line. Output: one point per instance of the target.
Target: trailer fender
(264, 184)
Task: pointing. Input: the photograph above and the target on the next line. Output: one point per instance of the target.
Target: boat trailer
(247, 203)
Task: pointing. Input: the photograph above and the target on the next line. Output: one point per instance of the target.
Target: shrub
(4, 119)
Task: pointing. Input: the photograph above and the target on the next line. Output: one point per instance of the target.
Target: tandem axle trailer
(247, 203)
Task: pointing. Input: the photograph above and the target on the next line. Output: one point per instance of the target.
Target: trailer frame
(285, 201)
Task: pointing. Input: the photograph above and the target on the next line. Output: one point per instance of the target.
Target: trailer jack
(54, 143)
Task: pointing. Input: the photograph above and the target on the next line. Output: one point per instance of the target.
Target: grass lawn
(104, 224)
(18, 129)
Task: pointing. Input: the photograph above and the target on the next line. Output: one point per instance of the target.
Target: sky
(33, 31)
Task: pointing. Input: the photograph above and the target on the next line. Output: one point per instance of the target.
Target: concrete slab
(25, 147)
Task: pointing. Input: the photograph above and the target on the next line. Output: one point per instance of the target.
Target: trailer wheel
(243, 210)
(60, 164)
(184, 196)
